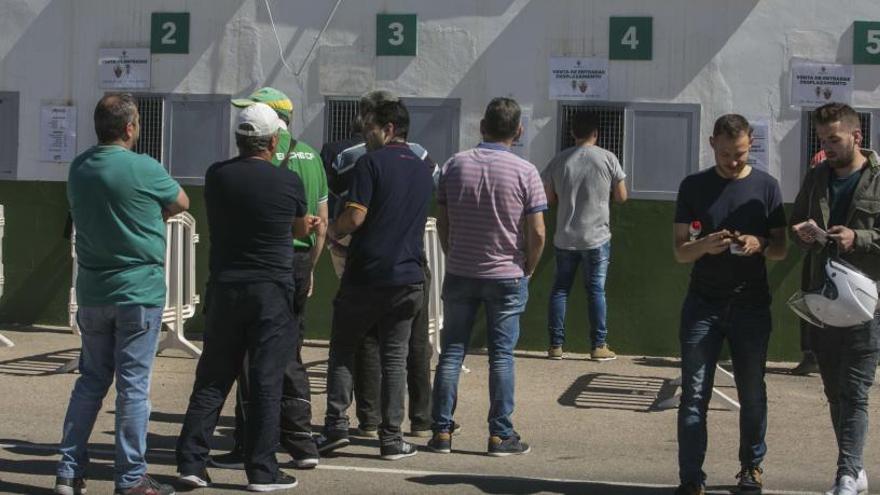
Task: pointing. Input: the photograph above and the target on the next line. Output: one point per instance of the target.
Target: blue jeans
(504, 300)
(595, 271)
(847, 360)
(704, 326)
(120, 342)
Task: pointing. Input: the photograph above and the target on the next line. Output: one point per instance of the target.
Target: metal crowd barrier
(3, 340)
(180, 279)
(437, 265)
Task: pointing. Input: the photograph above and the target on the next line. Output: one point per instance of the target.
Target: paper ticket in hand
(812, 229)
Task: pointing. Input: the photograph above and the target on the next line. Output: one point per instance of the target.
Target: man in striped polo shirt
(491, 226)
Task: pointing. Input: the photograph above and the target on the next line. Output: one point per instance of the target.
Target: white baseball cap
(258, 120)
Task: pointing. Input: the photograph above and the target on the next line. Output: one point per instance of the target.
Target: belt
(300, 249)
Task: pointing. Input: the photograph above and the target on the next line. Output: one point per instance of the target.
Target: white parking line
(409, 472)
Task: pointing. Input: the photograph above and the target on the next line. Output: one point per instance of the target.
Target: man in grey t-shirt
(582, 180)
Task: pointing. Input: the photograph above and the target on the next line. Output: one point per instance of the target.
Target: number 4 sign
(866, 42)
(630, 38)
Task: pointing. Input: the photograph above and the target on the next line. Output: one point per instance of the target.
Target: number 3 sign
(866, 42)
(396, 34)
(169, 32)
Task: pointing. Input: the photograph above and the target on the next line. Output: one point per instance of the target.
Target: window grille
(611, 126)
(338, 116)
(152, 112)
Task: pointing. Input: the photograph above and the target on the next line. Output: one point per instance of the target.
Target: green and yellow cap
(276, 100)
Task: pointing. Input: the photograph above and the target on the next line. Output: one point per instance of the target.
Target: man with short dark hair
(255, 210)
(841, 195)
(491, 227)
(117, 200)
(582, 179)
(343, 156)
(383, 283)
(728, 219)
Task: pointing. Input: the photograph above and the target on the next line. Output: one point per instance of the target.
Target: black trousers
(254, 318)
(296, 406)
(358, 311)
(368, 373)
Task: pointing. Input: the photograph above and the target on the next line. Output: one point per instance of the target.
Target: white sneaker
(846, 485)
(195, 480)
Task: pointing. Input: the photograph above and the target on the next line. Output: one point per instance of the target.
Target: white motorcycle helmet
(848, 298)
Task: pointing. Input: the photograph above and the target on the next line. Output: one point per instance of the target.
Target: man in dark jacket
(842, 196)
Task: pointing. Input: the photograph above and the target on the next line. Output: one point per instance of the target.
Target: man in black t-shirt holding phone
(742, 221)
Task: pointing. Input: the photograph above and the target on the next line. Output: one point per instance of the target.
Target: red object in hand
(694, 229)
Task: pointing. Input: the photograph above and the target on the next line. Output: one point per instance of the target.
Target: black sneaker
(283, 481)
(690, 489)
(750, 479)
(146, 486)
(441, 443)
(195, 480)
(503, 447)
(229, 460)
(328, 442)
(70, 486)
(398, 450)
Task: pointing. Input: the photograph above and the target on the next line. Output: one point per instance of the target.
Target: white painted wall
(725, 55)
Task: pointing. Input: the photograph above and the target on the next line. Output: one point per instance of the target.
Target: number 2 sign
(630, 38)
(866, 42)
(396, 34)
(169, 32)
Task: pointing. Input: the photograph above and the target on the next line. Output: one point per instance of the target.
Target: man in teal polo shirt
(296, 411)
(118, 200)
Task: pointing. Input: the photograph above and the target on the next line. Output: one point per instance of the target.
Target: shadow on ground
(523, 486)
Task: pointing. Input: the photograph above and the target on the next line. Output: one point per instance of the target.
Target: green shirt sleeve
(157, 182)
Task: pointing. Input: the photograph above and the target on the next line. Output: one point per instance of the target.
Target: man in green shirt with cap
(296, 413)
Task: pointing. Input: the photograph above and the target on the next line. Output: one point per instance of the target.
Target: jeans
(254, 318)
(296, 406)
(504, 301)
(704, 326)
(356, 312)
(117, 341)
(368, 373)
(595, 271)
(847, 360)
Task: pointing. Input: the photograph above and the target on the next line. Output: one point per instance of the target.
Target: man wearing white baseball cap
(251, 205)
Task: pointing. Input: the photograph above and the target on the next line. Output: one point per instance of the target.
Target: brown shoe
(554, 352)
(603, 353)
(750, 479)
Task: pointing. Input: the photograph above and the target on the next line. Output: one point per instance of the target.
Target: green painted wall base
(645, 285)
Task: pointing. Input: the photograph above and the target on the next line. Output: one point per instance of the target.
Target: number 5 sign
(866, 42)
(396, 34)
(630, 38)
(169, 32)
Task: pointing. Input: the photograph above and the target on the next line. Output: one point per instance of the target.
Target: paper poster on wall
(521, 145)
(578, 78)
(124, 68)
(57, 133)
(814, 84)
(759, 153)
